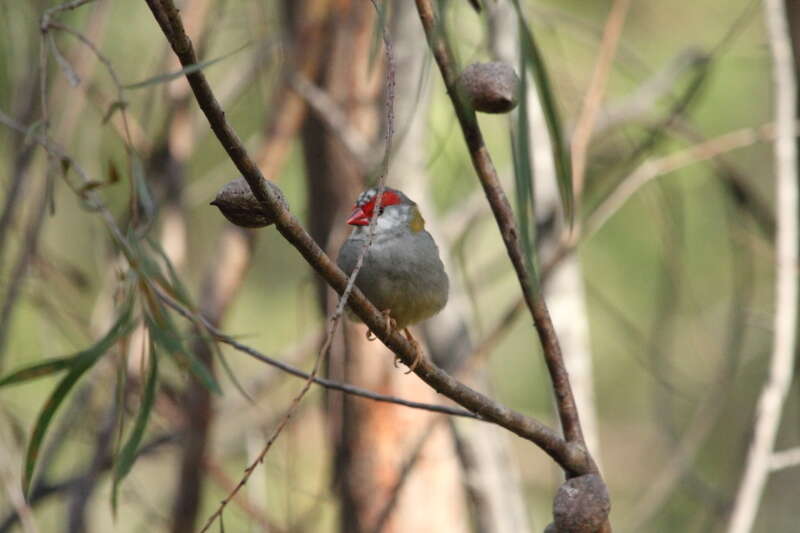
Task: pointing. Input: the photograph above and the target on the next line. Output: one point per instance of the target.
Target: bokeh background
(664, 308)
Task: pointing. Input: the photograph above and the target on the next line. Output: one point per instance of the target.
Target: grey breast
(403, 274)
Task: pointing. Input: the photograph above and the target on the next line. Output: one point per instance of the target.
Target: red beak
(358, 218)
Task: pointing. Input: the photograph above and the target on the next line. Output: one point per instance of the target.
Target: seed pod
(236, 202)
(490, 87)
(581, 505)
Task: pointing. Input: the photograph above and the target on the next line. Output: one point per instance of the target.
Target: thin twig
(66, 6)
(247, 505)
(335, 119)
(46, 26)
(43, 489)
(654, 168)
(641, 102)
(594, 93)
(294, 371)
(773, 395)
(738, 186)
(288, 109)
(785, 459)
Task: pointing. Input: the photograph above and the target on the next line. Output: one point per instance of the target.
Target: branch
(785, 459)
(572, 458)
(294, 371)
(594, 93)
(481, 160)
(773, 395)
(333, 117)
(43, 489)
(653, 168)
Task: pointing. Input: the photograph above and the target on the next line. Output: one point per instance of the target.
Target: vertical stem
(487, 174)
(773, 395)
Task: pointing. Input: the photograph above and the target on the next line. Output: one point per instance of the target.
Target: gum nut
(581, 505)
(236, 202)
(490, 87)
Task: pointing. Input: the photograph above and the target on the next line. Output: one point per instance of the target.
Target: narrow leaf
(72, 76)
(523, 174)
(127, 455)
(37, 370)
(163, 78)
(166, 336)
(175, 285)
(142, 190)
(229, 371)
(530, 52)
(82, 362)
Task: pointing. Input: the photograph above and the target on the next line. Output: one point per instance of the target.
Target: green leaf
(81, 363)
(142, 190)
(146, 265)
(178, 289)
(127, 455)
(561, 158)
(165, 334)
(37, 370)
(163, 78)
(523, 175)
(228, 370)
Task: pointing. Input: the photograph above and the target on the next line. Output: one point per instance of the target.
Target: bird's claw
(417, 352)
(391, 325)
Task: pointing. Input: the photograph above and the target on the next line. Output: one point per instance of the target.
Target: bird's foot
(417, 351)
(391, 325)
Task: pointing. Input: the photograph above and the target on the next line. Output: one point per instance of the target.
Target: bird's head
(396, 212)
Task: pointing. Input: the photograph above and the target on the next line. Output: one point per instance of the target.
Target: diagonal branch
(572, 458)
(294, 371)
(487, 174)
(594, 94)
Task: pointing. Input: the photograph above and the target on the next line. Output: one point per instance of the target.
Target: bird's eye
(380, 211)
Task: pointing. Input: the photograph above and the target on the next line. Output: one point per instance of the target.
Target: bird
(402, 274)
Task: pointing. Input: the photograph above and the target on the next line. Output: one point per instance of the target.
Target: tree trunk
(395, 468)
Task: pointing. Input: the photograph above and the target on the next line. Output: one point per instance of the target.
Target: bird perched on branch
(402, 274)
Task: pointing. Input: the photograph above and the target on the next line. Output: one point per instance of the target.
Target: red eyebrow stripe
(389, 198)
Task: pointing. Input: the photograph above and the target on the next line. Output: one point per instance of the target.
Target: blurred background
(662, 293)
